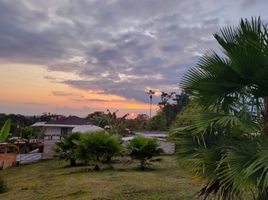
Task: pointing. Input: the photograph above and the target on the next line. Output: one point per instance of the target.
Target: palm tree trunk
(265, 116)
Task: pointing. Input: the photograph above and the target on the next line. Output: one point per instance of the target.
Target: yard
(53, 180)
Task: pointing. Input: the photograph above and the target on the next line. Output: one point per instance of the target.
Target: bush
(143, 149)
(3, 186)
(98, 147)
(66, 148)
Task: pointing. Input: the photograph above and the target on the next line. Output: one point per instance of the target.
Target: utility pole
(151, 92)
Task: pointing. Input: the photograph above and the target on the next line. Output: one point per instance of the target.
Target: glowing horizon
(18, 89)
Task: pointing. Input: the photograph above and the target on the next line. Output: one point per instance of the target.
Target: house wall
(52, 131)
(51, 136)
(49, 146)
(168, 147)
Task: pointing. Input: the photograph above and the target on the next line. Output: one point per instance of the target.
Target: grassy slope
(50, 180)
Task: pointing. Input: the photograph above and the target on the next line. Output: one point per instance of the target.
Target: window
(64, 131)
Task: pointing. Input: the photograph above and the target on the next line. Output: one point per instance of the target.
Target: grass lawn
(53, 180)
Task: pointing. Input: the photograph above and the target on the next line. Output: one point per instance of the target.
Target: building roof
(86, 128)
(71, 120)
(153, 134)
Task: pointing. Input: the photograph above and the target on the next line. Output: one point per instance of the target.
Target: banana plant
(5, 130)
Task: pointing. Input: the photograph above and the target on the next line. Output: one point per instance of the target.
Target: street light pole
(151, 92)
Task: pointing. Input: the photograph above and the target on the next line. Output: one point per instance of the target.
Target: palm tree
(240, 76)
(227, 140)
(66, 148)
(143, 149)
(98, 147)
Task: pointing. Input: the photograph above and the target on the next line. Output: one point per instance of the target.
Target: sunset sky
(74, 57)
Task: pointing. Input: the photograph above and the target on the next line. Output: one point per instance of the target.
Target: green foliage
(184, 117)
(3, 186)
(240, 77)
(113, 124)
(225, 138)
(98, 147)
(18, 122)
(98, 118)
(139, 123)
(172, 104)
(5, 130)
(143, 149)
(50, 181)
(66, 148)
(28, 132)
(157, 122)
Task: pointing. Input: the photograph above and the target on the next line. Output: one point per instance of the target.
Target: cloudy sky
(78, 56)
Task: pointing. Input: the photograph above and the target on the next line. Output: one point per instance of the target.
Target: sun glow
(36, 89)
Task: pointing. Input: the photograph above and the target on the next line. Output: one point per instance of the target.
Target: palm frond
(5, 130)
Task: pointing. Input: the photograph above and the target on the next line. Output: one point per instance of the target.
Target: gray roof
(156, 134)
(71, 120)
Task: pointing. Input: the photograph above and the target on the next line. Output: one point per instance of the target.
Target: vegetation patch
(52, 180)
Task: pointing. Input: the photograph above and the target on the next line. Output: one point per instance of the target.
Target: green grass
(53, 180)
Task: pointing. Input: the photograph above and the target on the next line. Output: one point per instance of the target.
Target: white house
(54, 130)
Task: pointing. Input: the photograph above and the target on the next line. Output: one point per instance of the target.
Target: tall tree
(171, 105)
(114, 125)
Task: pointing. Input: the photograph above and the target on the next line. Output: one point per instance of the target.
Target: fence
(28, 158)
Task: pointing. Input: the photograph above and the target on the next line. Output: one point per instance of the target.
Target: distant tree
(139, 123)
(142, 119)
(132, 125)
(113, 124)
(157, 122)
(143, 149)
(19, 122)
(116, 125)
(171, 105)
(98, 118)
(45, 117)
(28, 132)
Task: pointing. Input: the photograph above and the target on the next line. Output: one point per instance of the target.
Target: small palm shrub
(3, 186)
(65, 149)
(143, 149)
(98, 147)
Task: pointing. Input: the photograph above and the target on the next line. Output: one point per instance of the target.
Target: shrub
(98, 147)
(65, 149)
(143, 149)
(3, 186)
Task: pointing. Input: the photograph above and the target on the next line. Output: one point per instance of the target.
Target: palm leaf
(5, 130)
